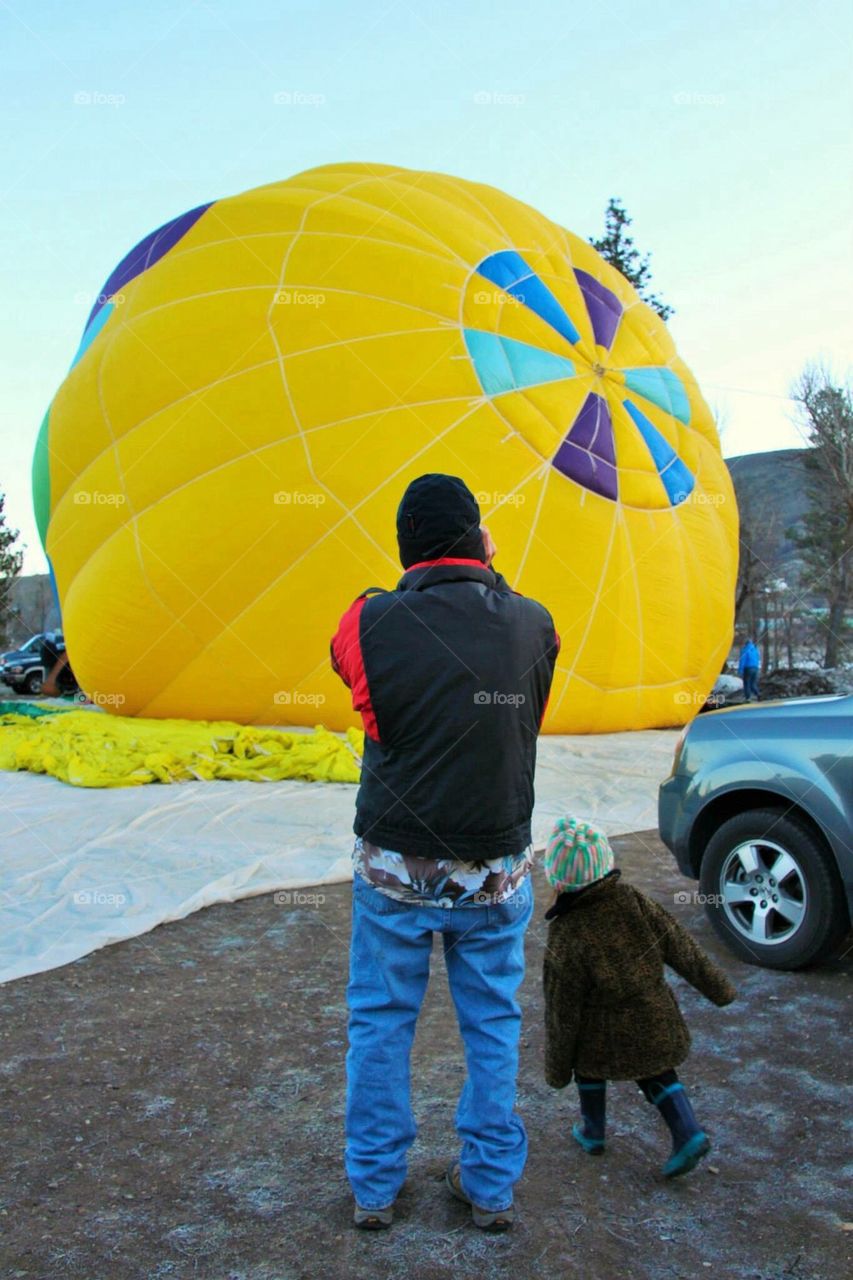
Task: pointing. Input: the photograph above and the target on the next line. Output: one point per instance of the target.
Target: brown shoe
(373, 1219)
(485, 1219)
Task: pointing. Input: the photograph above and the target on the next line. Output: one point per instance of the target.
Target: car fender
(808, 788)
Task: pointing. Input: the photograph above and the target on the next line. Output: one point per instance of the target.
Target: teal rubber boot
(690, 1143)
(589, 1134)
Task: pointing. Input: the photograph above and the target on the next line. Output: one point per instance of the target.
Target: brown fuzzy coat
(609, 1012)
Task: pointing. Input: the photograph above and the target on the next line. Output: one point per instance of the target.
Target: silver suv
(759, 810)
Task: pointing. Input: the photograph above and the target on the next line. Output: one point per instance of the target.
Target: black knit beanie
(438, 516)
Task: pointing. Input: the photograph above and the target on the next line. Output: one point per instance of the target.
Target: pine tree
(10, 566)
(618, 247)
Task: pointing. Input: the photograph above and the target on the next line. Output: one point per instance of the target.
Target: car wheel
(772, 891)
(33, 683)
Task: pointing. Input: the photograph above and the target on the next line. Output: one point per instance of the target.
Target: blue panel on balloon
(503, 364)
(511, 273)
(663, 388)
(661, 450)
(94, 328)
(505, 268)
(677, 481)
(676, 478)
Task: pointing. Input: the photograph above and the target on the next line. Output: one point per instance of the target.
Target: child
(609, 1013)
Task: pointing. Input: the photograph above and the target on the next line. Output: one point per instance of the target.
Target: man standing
(750, 661)
(451, 673)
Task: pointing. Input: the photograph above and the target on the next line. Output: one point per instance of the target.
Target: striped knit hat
(576, 855)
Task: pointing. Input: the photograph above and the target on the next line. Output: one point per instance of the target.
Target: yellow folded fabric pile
(92, 749)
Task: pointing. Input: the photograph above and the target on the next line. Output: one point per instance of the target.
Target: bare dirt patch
(173, 1109)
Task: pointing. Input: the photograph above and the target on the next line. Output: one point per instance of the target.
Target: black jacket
(451, 673)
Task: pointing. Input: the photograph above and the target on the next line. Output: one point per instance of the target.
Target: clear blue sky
(724, 127)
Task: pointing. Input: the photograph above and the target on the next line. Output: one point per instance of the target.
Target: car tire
(33, 684)
(780, 922)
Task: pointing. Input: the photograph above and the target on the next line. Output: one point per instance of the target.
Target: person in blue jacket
(747, 668)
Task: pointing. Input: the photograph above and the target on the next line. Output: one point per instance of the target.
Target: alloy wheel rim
(763, 892)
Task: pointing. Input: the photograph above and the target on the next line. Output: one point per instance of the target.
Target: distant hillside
(771, 494)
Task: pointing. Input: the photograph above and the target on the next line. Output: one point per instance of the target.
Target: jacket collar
(426, 573)
(574, 899)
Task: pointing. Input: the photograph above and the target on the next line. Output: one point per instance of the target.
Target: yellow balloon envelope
(218, 475)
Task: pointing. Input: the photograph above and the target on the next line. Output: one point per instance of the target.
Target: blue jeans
(750, 682)
(389, 971)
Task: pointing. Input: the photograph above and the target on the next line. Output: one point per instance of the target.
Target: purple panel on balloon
(605, 309)
(587, 455)
(593, 429)
(587, 470)
(146, 253)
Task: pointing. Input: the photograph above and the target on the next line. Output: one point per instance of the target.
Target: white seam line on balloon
(546, 475)
(196, 600)
(503, 501)
(471, 192)
(103, 353)
(601, 603)
(524, 481)
(605, 563)
(408, 189)
(333, 529)
(272, 444)
(638, 596)
(276, 289)
(368, 497)
(342, 521)
(228, 426)
(243, 238)
(399, 189)
(283, 372)
(329, 195)
(347, 342)
(594, 606)
(155, 594)
(200, 600)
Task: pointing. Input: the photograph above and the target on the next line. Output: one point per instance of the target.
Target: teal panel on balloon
(94, 328)
(504, 364)
(663, 388)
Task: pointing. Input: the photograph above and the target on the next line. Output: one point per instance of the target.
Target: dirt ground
(173, 1110)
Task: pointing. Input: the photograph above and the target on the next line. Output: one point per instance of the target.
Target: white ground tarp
(80, 869)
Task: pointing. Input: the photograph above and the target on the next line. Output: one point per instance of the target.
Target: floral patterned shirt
(441, 882)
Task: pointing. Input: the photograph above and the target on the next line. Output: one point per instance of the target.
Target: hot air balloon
(259, 379)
